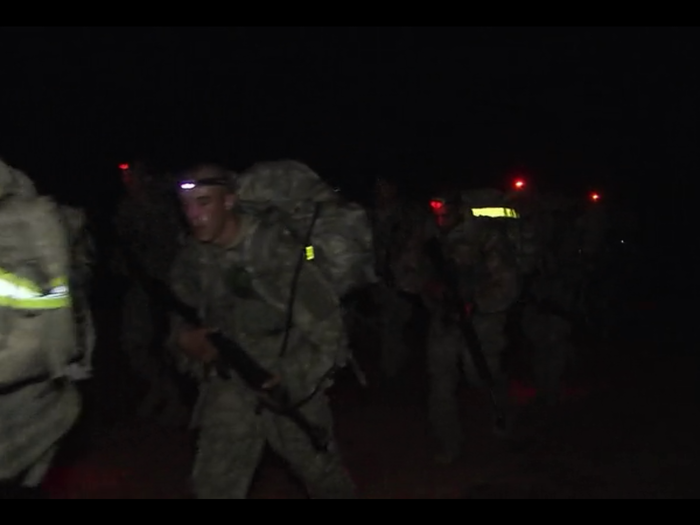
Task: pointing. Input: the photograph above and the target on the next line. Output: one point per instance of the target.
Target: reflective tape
(22, 294)
(496, 213)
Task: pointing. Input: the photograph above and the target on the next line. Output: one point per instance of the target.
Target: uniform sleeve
(501, 287)
(184, 285)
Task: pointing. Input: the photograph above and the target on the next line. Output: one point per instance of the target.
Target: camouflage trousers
(143, 343)
(396, 312)
(549, 335)
(448, 358)
(35, 419)
(232, 439)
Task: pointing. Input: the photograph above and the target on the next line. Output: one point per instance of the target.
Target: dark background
(607, 109)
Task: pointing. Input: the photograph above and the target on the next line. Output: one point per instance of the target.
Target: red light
(519, 184)
(595, 197)
(123, 167)
(436, 205)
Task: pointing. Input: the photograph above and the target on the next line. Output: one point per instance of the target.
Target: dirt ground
(628, 430)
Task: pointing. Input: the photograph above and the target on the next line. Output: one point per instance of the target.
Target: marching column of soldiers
(479, 261)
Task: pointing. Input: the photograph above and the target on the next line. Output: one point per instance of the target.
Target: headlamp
(212, 181)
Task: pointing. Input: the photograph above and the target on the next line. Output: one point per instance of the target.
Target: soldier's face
(207, 210)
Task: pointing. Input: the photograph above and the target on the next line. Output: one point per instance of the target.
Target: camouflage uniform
(39, 403)
(150, 233)
(549, 287)
(487, 270)
(399, 230)
(247, 300)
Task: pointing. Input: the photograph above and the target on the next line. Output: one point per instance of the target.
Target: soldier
(247, 301)
(485, 265)
(149, 231)
(549, 289)
(39, 357)
(399, 231)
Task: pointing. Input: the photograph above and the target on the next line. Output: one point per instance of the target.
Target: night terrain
(627, 430)
(610, 110)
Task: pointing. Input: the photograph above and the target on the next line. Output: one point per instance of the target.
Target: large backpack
(521, 226)
(37, 328)
(335, 235)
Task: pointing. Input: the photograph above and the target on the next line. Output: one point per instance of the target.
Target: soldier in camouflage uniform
(543, 246)
(488, 281)
(39, 358)
(247, 300)
(149, 232)
(399, 230)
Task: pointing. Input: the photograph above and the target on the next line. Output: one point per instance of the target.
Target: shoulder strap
(305, 254)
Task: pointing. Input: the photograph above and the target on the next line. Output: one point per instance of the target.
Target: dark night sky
(594, 107)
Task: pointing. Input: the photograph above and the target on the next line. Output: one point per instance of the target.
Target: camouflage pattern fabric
(489, 280)
(243, 290)
(289, 192)
(400, 230)
(34, 420)
(548, 298)
(233, 438)
(38, 402)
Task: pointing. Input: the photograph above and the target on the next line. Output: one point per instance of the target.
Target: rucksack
(336, 235)
(521, 228)
(37, 329)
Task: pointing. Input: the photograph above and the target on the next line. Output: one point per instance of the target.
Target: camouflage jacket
(244, 291)
(485, 263)
(399, 236)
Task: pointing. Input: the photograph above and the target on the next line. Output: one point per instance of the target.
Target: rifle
(234, 358)
(465, 323)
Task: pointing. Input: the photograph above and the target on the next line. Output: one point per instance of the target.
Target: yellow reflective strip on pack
(17, 296)
(310, 255)
(21, 282)
(496, 213)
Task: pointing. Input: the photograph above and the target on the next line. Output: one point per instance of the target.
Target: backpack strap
(305, 254)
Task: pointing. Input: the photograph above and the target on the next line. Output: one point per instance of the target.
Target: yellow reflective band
(496, 213)
(310, 255)
(22, 294)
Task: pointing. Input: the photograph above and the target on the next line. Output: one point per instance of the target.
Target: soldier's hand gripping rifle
(457, 312)
(233, 358)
